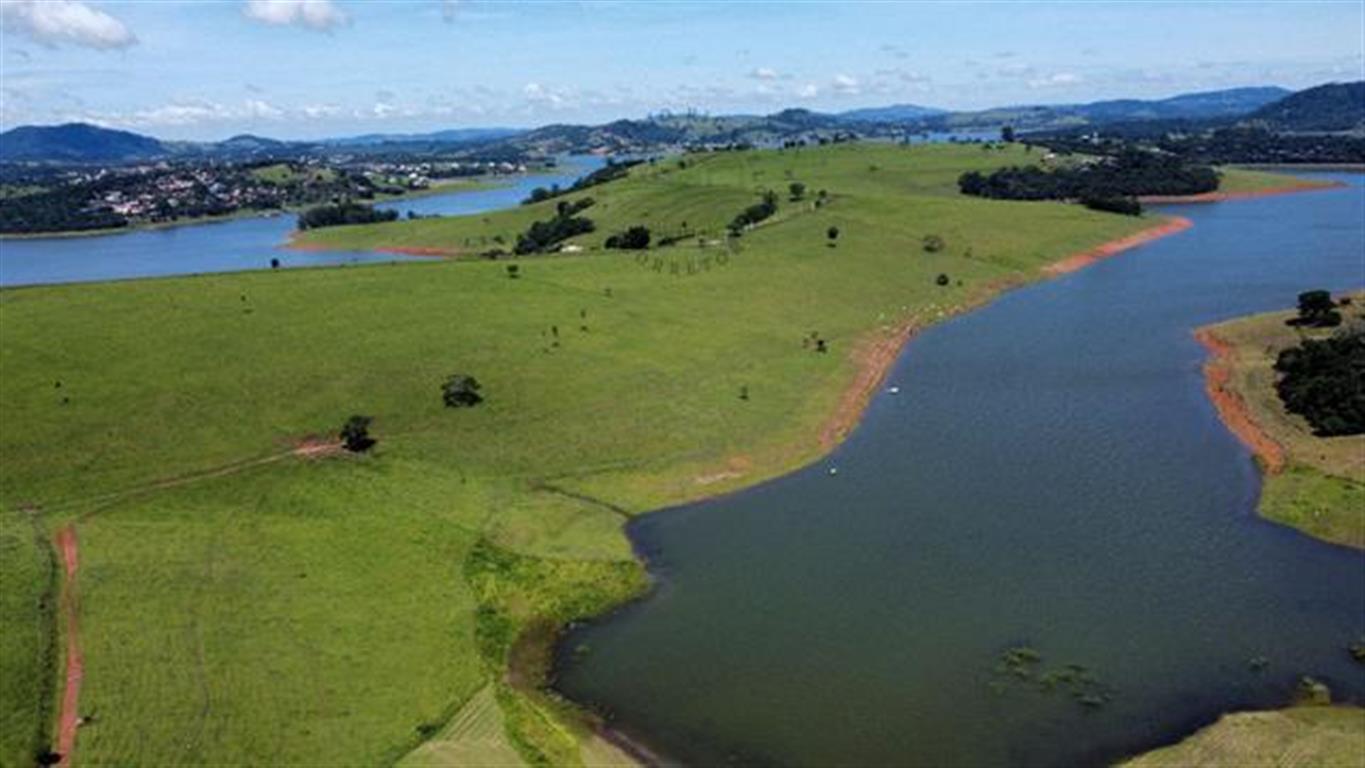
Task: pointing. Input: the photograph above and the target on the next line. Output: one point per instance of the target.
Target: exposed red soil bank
(414, 251)
(69, 718)
(1232, 409)
(874, 359)
(1104, 251)
(1218, 197)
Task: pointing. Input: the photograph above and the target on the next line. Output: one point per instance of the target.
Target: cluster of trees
(1128, 206)
(346, 212)
(635, 238)
(1128, 174)
(754, 213)
(64, 209)
(544, 235)
(1195, 144)
(1324, 381)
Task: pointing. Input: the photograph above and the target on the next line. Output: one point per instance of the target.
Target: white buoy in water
(834, 470)
(894, 390)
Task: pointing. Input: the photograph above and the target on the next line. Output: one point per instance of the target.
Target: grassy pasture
(240, 605)
(1297, 737)
(1322, 489)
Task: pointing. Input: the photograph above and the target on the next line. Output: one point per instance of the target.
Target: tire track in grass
(69, 718)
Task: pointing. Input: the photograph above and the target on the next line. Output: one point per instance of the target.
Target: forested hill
(1331, 107)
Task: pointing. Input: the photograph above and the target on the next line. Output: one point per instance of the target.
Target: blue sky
(310, 68)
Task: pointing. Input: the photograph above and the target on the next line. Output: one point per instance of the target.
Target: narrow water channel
(1050, 475)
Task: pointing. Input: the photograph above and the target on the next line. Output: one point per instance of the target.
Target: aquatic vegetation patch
(1022, 667)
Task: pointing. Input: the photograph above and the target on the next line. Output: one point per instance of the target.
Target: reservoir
(1050, 475)
(242, 243)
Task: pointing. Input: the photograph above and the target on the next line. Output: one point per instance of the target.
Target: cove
(1049, 475)
(239, 244)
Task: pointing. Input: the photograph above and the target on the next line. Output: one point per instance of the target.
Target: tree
(1317, 310)
(1007, 134)
(933, 243)
(513, 271)
(833, 234)
(941, 280)
(797, 189)
(355, 434)
(461, 391)
(274, 263)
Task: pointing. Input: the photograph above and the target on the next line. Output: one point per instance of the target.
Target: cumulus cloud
(763, 73)
(845, 84)
(320, 15)
(1054, 80)
(65, 22)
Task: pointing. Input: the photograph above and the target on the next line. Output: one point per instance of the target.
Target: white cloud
(321, 15)
(56, 22)
(763, 73)
(808, 91)
(845, 84)
(1053, 80)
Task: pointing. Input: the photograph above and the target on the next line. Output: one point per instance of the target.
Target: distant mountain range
(1326, 108)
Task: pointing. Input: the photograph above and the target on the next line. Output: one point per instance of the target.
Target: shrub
(933, 243)
(942, 280)
(355, 434)
(461, 391)
(635, 238)
(832, 234)
(797, 190)
(513, 271)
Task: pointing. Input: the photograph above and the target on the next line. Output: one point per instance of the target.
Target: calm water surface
(1050, 474)
(237, 244)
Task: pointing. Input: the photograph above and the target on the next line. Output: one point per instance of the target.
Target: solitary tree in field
(1317, 310)
(933, 243)
(1007, 134)
(513, 271)
(355, 434)
(941, 280)
(833, 234)
(461, 391)
(797, 189)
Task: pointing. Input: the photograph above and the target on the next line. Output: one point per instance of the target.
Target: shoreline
(1103, 251)
(1231, 408)
(1251, 194)
(254, 213)
(874, 357)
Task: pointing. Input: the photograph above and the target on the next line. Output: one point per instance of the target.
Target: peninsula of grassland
(1315, 484)
(241, 601)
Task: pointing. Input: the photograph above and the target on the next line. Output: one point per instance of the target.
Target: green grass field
(1297, 737)
(241, 605)
(1322, 488)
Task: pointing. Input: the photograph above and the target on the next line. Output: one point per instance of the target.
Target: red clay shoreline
(1232, 409)
(1114, 247)
(1219, 197)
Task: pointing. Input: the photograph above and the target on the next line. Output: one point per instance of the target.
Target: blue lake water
(236, 244)
(1051, 474)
